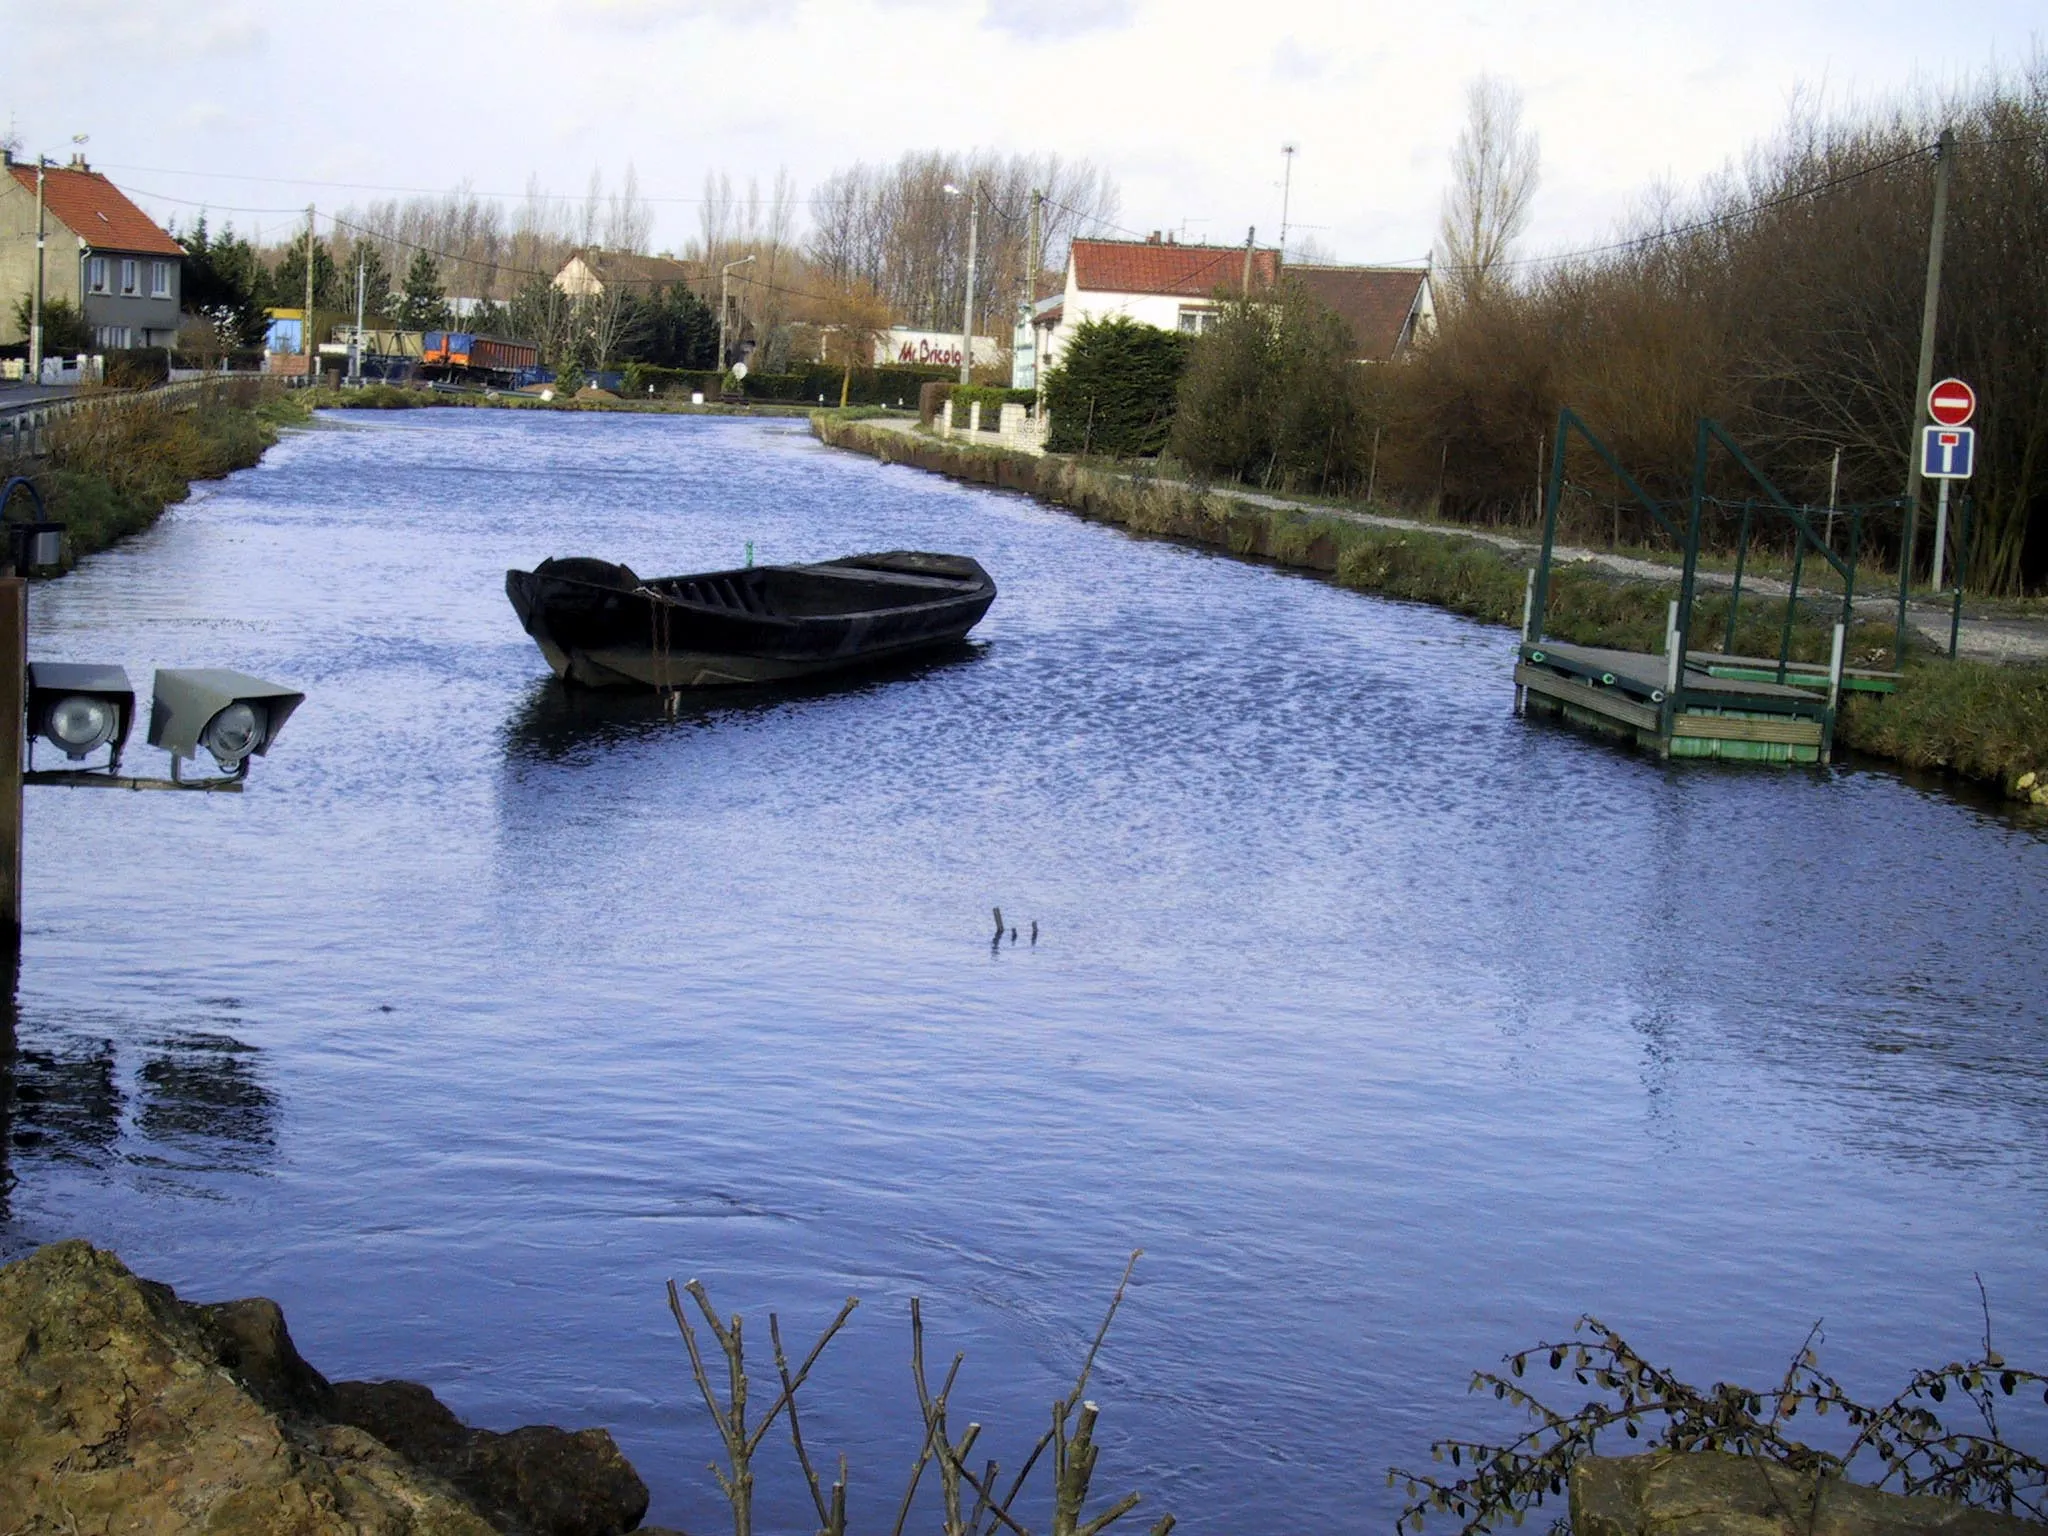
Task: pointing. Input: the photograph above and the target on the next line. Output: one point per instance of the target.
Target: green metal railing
(1766, 506)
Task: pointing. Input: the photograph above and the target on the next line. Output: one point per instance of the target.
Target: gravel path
(2003, 640)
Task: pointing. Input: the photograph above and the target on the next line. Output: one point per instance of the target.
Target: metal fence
(24, 429)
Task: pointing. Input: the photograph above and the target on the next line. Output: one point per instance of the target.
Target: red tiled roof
(97, 211)
(1374, 301)
(1184, 271)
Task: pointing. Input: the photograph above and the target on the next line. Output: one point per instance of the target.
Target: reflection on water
(201, 1103)
(555, 721)
(193, 1102)
(1371, 1012)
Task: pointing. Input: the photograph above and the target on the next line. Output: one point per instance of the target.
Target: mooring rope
(658, 647)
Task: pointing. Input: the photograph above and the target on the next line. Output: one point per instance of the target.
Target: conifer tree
(424, 304)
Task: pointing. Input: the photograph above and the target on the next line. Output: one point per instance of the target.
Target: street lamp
(724, 282)
(973, 196)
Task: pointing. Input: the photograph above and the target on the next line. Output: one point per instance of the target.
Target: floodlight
(35, 546)
(231, 714)
(80, 707)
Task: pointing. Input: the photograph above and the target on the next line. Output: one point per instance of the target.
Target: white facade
(1166, 311)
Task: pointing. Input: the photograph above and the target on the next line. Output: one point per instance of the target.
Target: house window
(159, 279)
(96, 274)
(128, 275)
(111, 337)
(1197, 322)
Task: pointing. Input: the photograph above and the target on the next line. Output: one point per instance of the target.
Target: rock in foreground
(1714, 1493)
(123, 1408)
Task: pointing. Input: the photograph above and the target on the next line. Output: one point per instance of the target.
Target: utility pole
(1286, 187)
(1834, 484)
(35, 319)
(13, 711)
(724, 304)
(1031, 284)
(355, 346)
(306, 328)
(1944, 160)
(967, 323)
(1250, 236)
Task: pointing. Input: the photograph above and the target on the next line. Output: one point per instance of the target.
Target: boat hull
(599, 626)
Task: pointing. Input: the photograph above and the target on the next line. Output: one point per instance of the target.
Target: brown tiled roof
(96, 211)
(636, 271)
(1185, 271)
(1374, 301)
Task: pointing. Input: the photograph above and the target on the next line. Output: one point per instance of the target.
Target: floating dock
(1684, 702)
(1675, 712)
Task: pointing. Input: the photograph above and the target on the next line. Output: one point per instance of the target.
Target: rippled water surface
(1396, 1031)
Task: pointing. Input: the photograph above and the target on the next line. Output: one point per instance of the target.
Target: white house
(587, 271)
(1175, 287)
(1156, 281)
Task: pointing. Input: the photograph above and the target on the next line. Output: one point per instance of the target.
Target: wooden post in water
(13, 711)
(1827, 740)
(1528, 616)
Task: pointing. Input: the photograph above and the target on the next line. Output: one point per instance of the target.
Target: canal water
(1396, 1031)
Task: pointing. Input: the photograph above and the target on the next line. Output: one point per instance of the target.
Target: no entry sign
(1951, 402)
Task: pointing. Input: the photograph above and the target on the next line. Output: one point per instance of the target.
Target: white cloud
(1186, 104)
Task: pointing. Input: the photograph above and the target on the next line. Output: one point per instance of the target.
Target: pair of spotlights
(79, 708)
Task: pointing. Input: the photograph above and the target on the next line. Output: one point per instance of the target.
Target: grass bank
(113, 466)
(1984, 723)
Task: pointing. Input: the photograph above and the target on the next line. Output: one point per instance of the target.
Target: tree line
(1782, 299)
(884, 245)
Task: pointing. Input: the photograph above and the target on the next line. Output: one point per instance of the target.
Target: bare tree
(899, 230)
(1494, 170)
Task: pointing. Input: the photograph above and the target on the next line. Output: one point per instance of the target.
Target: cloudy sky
(255, 107)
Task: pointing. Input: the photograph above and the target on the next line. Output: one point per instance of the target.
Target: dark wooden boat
(601, 626)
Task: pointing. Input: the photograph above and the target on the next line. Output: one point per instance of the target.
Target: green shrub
(1271, 396)
(1114, 389)
(136, 367)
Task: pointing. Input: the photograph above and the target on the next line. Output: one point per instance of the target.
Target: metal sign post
(1946, 454)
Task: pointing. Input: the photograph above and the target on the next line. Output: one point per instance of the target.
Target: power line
(365, 186)
(1699, 226)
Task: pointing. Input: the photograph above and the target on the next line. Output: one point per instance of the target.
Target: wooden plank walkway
(1631, 694)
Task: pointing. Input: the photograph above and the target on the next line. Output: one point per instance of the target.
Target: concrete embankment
(1980, 721)
(123, 1407)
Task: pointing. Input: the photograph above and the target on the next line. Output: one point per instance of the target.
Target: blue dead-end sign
(1948, 453)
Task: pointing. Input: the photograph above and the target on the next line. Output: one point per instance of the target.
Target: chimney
(1153, 238)
(78, 162)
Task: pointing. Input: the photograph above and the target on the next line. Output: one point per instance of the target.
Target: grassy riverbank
(114, 466)
(1985, 723)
